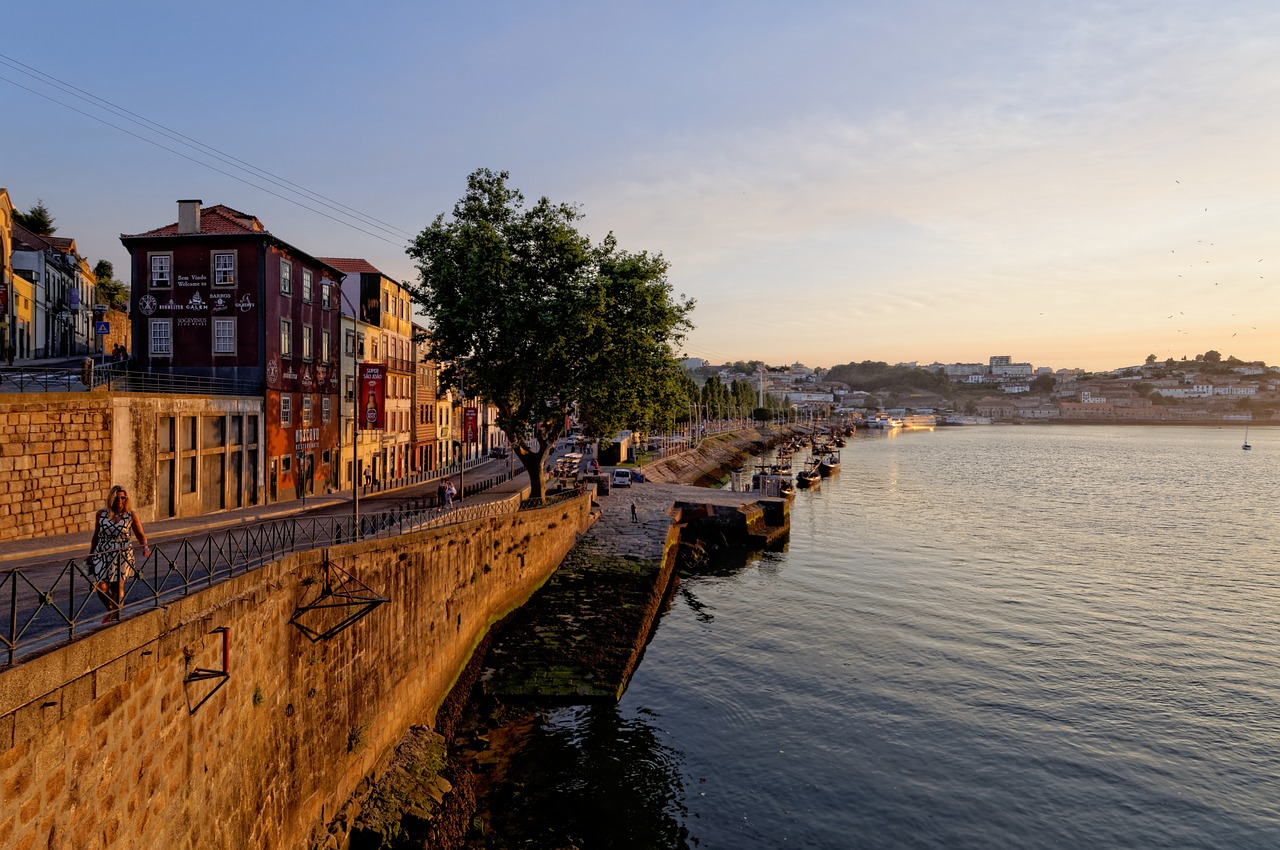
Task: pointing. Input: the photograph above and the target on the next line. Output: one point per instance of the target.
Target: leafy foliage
(534, 319)
(110, 290)
(874, 375)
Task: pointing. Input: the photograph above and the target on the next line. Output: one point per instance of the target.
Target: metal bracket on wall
(201, 674)
(343, 599)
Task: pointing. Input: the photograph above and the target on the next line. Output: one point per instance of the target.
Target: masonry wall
(60, 454)
(55, 462)
(99, 747)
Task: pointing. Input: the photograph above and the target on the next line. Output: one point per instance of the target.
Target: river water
(977, 637)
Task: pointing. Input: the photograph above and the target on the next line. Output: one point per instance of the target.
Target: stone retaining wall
(55, 462)
(100, 748)
(60, 454)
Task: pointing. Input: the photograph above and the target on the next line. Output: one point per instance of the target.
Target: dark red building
(216, 296)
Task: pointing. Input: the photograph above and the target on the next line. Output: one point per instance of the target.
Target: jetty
(581, 636)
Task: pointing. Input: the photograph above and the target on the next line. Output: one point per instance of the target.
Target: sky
(1073, 184)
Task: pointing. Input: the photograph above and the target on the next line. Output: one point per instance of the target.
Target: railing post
(13, 615)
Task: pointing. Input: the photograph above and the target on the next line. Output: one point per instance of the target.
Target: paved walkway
(40, 549)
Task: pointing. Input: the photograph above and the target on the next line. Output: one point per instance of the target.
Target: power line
(201, 148)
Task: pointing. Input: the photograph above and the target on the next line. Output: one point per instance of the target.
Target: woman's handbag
(93, 564)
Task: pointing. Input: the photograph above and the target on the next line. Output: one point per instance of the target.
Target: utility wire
(200, 147)
(199, 162)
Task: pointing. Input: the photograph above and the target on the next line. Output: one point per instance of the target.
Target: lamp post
(462, 463)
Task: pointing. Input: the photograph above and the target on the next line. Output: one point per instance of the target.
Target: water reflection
(586, 776)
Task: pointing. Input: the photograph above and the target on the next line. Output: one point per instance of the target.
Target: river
(976, 637)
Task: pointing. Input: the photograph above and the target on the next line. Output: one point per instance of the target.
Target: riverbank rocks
(407, 796)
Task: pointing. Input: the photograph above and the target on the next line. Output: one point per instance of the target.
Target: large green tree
(530, 316)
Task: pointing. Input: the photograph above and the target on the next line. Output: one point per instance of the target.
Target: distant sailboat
(1246, 445)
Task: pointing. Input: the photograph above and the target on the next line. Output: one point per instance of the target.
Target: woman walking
(111, 561)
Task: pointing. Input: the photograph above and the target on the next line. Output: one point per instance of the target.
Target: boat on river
(809, 476)
(829, 462)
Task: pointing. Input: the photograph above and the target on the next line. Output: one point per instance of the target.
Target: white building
(63, 291)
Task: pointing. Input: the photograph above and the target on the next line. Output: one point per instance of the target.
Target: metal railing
(33, 379)
(47, 604)
(118, 377)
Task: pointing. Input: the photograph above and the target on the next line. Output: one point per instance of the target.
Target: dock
(581, 636)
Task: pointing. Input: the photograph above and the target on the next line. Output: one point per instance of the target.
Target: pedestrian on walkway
(442, 493)
(635, 517)
(449, 493)
(111, 550)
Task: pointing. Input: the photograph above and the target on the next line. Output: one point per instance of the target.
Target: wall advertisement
(372, 413)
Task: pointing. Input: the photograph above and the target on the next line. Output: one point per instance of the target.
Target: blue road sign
(102, 328)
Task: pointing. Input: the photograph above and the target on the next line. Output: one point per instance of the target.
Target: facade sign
(469, 429)
(306, 439)
(372, 412)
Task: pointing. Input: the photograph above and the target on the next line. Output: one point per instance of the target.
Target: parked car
(621, 478)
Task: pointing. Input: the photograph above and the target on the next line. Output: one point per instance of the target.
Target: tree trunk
(534, 465)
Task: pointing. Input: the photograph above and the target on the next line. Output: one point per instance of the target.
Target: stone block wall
(55, 462)
(99, 747)
(60, 454)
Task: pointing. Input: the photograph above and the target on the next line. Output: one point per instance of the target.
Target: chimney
(189, 216)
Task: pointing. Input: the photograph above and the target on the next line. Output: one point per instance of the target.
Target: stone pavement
(614, 534)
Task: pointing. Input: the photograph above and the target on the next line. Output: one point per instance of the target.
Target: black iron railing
(22, 379)
(47, 604)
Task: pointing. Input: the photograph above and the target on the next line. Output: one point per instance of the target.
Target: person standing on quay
(111, 558)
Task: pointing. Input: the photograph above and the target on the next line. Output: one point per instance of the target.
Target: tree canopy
(37, 219)
(110, 290)
(536, 320)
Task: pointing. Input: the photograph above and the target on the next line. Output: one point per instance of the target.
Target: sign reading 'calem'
(372, 412)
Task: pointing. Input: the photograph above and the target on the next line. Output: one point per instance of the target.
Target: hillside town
(1205, 388)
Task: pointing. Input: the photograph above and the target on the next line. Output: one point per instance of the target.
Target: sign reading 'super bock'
(372, 412)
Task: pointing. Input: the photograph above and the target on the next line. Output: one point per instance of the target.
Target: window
(326, 406)
(306, 285)
(224, 336)
(306, 410)
(360, 345)
(306, 342)
(161, 337)
(286, 409)
(326, 293)
(351, 388)
(224, 268)
(351, 343)
(286, 278)
(286, 338)
(326, 348)
(161, 265)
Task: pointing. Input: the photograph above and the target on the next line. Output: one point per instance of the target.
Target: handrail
(44, 605)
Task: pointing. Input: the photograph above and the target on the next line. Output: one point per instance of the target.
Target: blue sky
(1073, 184)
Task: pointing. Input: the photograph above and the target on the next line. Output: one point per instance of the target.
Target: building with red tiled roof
(215, 295)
